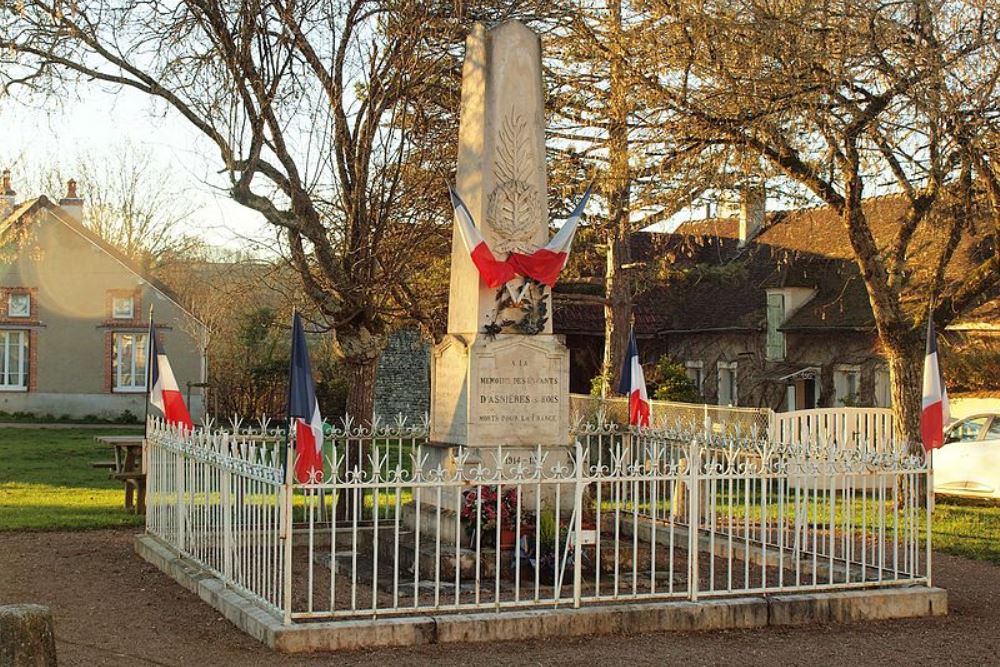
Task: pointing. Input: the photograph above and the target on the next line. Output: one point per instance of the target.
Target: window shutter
(775, 318)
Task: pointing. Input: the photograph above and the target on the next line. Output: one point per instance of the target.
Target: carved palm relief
(514, 206)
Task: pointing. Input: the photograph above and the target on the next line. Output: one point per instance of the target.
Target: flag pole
(149, 374)
(288, 399)
(929, 479)
(286, 491)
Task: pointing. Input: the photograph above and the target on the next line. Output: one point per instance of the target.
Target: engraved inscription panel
(519, 396)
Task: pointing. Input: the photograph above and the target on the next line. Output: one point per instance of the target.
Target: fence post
(286, 535)
(578, 527)
(929, 496)
(227, 517)
(694, 495)
(181, 495)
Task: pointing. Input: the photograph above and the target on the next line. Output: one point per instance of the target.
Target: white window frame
(11, 312)
(6, 336)
(774, 347)
(727, 366)
(883, 388)
(845, 370)
(115, 300)
(696, 368)
(136, 362)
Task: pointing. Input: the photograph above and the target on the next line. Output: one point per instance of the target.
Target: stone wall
(403, 378)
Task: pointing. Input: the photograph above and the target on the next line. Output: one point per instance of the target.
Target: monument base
(485, 465)
(507, 390)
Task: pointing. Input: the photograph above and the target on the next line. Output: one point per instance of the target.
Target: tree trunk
(361, 361)
(905, 357)
(26, 635)
(618, 289)
(617, 309)
(361, 392)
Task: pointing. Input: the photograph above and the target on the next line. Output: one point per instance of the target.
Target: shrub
(668, 381)
(972, 366)
(126, 417)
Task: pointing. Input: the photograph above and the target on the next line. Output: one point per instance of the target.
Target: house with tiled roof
(763, 310)
(74, 317)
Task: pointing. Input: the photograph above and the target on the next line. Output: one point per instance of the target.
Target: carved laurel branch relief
(514, 206)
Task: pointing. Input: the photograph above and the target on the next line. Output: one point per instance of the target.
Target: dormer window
(123, 307)
(19, 305)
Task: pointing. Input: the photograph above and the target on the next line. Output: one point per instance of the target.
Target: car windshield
(968, 430)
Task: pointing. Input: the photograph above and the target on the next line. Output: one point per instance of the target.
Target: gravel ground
(112, 608)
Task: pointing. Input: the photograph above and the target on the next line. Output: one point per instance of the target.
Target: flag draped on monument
(633, 385)
(494, 272)
(303, 410)
(935, 414)
(164, 393)
(543, 265)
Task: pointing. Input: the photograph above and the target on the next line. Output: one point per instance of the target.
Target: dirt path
(112, 608)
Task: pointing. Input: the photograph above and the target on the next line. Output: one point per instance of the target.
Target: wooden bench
(110, 465)
(127, 468)
(135, 489)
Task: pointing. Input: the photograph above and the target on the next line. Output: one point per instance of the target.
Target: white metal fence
(398, 526)
(850, 427)
(713, 419)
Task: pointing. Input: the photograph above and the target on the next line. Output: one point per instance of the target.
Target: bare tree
(604, 127)
(132, 202)
(848, 99)
(306, 104)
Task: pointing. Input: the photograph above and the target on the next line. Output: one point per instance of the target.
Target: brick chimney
(7, 198)
(753, 200)
(71, 203)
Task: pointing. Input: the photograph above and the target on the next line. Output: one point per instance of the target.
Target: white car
(969, 462)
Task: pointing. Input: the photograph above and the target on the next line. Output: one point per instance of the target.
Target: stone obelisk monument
(500, 377)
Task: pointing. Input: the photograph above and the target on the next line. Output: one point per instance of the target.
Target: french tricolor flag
(543, 265)
(164, 393)
(935, 414)
(633, 385)
(494, 272)
(303, 410)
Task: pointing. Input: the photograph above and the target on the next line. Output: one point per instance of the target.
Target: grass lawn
(46, 481)
(967, 529)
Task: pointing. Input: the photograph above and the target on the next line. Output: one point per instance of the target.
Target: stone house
(761, 310)
(74, 317)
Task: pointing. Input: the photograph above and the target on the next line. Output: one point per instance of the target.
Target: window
(122, 307)
(727, 383)
(846, 385)
(994, 432)
(14, 360)
(967, 431)
(883, 393)
(696, 373)
(19, 305)
(775, 318)
(129, 362)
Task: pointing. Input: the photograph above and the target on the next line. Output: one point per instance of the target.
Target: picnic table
(126, 467)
